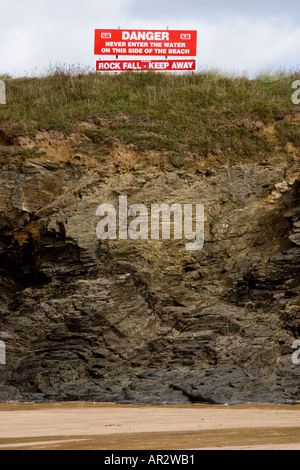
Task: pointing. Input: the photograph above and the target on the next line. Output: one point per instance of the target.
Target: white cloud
(232, 35)
(213, 9)
(245, 45)
(35, 33)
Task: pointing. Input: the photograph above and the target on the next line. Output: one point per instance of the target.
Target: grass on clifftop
(203, 112)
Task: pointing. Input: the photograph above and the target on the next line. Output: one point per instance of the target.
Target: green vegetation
(31, 152)
(215, 220)
(203, 112)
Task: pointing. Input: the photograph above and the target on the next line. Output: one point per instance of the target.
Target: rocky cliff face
(147, 321)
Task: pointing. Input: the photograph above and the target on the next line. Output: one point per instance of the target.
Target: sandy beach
(82, 426)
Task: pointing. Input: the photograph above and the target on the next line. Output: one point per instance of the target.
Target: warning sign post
(146, 43)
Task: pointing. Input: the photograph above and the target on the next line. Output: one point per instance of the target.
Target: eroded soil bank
(146, 321)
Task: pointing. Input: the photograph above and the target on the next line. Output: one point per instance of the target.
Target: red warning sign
(145, 42)
(142, 65)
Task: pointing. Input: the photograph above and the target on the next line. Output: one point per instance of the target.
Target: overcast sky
(234, 35)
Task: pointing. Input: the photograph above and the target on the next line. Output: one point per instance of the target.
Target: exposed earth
(147, 322)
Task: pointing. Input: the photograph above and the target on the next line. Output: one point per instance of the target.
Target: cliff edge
(147, 321)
